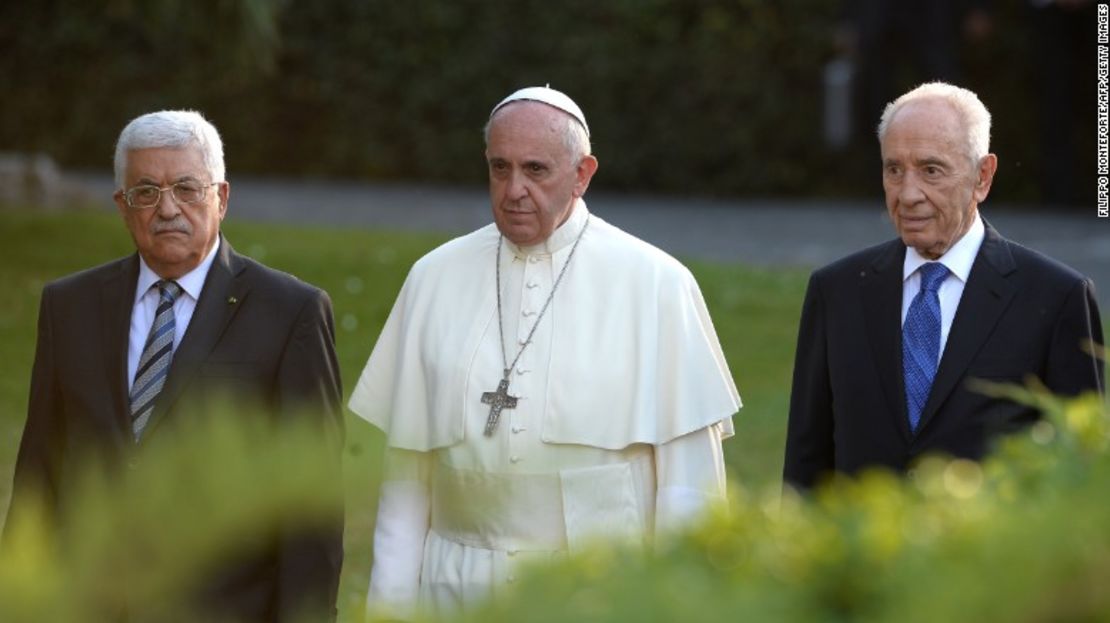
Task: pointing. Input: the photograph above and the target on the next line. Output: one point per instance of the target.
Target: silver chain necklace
(500, 399)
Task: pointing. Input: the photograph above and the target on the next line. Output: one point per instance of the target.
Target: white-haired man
(542, 382)
(130, 350)
(891, 335)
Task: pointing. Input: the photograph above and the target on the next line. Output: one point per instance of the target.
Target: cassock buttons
(533, 259)
(519, 429)
(514, 459)
(532, 284)
(528, 312)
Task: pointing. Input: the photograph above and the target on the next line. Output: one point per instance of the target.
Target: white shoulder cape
(637, 362)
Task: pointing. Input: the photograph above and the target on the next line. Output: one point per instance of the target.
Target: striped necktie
(154, 363)
(921, 340)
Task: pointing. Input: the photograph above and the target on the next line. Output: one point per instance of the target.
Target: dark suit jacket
(273, 344)
(1021, 313)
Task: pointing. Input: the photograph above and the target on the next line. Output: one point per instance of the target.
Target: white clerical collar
(562, 237)
(191, 282)
(958, 259)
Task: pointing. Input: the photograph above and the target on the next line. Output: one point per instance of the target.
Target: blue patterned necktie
(921, 340)
(154, 363)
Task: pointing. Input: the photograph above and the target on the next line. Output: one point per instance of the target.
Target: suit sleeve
(39, 459)
(809, 434)
(309, 386)
(1073, 363)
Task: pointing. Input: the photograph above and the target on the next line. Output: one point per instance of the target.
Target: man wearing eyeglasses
(132, 349)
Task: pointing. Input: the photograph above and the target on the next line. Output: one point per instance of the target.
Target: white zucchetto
(548, 96)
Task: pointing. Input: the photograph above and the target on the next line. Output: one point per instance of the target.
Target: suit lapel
(220, 299)
(881, 291)
(117, 298)
(986, 296)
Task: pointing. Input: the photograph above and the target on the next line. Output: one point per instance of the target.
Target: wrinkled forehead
(928, 117)
(527, 126)
(529, 113)
(929, 124)
(166, 163)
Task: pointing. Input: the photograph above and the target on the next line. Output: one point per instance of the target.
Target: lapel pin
(231, 300)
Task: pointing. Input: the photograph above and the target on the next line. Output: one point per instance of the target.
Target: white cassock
(623, 396)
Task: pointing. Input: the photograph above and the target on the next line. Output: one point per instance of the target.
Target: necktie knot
(932, 275)
(168, 290)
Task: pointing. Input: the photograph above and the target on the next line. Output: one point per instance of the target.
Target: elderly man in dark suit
(129, 349)
(891, 335)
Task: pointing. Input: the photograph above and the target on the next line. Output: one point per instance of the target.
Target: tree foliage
(702, 96)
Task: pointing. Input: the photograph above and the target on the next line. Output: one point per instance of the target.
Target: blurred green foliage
(142, 539)
(683, 96)
(1024, 537)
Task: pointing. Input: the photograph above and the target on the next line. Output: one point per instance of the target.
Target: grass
(755, 312)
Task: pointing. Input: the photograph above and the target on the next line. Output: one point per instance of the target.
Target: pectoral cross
(498, 400)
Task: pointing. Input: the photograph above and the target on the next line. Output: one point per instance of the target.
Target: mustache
(177, 224)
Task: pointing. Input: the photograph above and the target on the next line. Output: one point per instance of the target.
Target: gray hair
(575, 138)
(975, 116)
(171, 129)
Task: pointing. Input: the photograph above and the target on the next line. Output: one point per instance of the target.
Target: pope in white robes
(544, 382)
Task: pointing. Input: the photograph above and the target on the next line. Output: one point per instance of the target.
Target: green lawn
(755, 312)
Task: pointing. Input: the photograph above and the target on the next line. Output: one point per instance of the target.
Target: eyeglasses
(148, 195)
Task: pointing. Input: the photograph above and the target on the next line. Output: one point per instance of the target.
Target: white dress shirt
(959, 260)
(146, 304)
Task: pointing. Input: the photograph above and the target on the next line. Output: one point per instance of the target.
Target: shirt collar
(563, 236)
(957, 259)
(191, 282)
